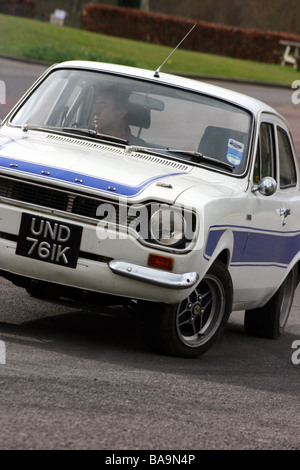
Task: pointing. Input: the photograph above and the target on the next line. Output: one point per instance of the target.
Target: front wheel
(189, 328)
(270, 320)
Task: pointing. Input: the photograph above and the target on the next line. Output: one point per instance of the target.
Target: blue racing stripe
(256, 246)
(77, 179)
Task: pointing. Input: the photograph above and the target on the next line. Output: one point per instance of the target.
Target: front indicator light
(160, 262)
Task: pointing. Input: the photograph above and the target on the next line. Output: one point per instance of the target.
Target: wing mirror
(266, 186)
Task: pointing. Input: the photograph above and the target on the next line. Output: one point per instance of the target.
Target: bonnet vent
(82, 143)
(161, 161)
(107, 148)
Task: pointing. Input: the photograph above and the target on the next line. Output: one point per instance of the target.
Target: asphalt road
(76, 377)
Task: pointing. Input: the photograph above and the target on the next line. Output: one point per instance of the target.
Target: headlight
(167, 226)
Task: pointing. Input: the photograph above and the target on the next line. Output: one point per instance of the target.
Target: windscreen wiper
(190, 153)
(94, 133)
(79, 130)
(75, 130)
(35, 127)
(202, 157)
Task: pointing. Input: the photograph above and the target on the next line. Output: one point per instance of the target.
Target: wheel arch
(225, 257)
(295, 264)
(220, 245)
(298, 272)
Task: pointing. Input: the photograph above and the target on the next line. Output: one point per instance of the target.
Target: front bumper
(108, 274)
(114, 278)
(153, 276)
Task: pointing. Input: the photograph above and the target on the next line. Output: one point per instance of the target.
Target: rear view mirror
(147, 101)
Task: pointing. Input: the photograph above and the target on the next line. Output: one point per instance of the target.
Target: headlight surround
(168, 227)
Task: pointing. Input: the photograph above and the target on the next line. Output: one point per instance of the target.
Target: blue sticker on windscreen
(235, 152)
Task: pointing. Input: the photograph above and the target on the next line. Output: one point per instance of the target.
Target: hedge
(167, 30)
(26, 8)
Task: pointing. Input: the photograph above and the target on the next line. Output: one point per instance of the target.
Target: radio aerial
(157, 72)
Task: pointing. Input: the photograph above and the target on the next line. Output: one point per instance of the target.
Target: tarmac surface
(77, 377)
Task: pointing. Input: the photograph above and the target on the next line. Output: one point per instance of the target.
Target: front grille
(33, 194)
(52, 198)
(113, 214)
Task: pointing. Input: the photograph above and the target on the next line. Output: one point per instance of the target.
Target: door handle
(283, 214)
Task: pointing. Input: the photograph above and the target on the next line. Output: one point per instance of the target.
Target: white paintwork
(228, 213)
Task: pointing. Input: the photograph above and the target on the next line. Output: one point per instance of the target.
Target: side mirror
(266, 186)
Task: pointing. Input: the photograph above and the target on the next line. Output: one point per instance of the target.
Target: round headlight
(167, 226)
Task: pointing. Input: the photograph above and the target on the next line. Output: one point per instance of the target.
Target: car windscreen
(157, 116)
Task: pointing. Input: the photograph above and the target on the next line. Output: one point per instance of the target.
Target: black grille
(72, 203)
(48, 197)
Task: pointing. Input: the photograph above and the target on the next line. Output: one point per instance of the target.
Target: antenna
(159, 68)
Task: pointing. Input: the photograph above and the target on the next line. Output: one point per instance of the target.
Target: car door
(265, 255)
(288, 190)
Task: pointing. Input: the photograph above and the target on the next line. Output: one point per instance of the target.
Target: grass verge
(22, 37)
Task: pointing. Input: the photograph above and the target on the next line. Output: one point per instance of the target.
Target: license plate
(49, 240)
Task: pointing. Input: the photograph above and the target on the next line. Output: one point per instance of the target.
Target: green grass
(21, 37)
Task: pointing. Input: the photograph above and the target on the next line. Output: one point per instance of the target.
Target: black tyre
(269, 321)
(191, 327)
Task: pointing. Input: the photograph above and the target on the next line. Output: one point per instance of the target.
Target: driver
(109, 115)
(111, 109)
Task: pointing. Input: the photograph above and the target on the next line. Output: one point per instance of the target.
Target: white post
(145, 5)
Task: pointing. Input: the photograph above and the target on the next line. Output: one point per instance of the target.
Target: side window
(288, 176)
(265, 162)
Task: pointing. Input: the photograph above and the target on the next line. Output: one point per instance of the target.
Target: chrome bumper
(153, 276)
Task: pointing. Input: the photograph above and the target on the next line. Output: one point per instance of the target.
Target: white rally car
(175, 197)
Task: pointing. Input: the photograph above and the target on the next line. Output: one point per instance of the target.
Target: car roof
(252, 104)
